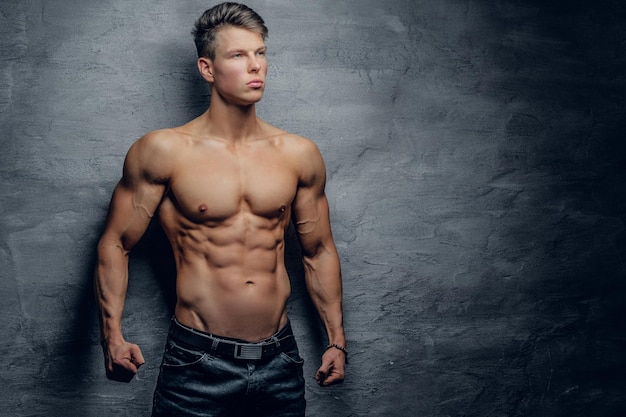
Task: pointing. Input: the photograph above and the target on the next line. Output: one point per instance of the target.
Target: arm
(134, 201)
(322, 269)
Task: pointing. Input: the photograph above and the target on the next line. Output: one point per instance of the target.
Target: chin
(255, 99)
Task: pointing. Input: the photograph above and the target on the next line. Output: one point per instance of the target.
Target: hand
(122, 360)
(332, 370)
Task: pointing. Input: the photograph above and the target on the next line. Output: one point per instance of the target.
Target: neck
(233, 123)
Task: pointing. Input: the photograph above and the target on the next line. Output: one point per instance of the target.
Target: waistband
(282, 341)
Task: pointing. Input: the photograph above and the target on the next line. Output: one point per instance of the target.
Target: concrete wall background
(475, 152)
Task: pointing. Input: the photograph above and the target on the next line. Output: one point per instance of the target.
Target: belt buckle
(248, 352)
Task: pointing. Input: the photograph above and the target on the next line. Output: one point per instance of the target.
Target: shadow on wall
(78, 367)
(300, 304)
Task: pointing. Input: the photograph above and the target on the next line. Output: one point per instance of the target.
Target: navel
(282, 209)
(203, 208)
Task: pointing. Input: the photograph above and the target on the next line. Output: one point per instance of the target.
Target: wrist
(114, 338)
(340, 348)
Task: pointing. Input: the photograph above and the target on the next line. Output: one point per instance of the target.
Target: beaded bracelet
(341, 348)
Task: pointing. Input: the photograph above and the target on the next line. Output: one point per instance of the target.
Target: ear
(205, 66)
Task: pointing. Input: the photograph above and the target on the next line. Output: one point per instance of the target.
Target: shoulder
(290, 142)
(307, 157)
(152, 155)
(303, 152)
(155, 142)
(299, 146)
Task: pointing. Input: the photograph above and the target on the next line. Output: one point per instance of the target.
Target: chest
(217, 185)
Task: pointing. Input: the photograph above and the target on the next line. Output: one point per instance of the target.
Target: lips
(255, 84)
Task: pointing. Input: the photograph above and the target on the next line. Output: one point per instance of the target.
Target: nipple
(282, 209)
(202, 208)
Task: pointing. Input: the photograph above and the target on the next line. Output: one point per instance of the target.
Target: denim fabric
(193, 383)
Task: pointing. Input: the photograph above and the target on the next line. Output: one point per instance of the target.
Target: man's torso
(225, 213)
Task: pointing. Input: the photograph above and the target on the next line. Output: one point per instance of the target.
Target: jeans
(194, 383)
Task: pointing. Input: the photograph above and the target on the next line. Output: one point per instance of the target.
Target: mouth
(255, 84)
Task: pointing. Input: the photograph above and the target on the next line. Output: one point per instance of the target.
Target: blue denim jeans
(195, 383)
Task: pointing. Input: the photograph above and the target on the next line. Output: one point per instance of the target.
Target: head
(225, 14)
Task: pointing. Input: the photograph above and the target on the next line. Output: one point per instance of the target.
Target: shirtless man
(225, 187)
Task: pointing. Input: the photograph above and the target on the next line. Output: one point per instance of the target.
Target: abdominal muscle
(229, 285)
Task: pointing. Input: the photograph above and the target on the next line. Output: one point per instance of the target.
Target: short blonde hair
(224, 14)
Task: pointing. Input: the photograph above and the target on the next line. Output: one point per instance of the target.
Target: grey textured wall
(475, 152)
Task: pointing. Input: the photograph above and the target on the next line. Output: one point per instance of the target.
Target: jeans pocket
(292, 357)
(177, 356)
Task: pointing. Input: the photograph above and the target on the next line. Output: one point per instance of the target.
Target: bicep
(130, 212)
(312, 222)
(310, 207)
(135, 200)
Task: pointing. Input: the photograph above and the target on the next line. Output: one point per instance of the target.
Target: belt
(282, 341)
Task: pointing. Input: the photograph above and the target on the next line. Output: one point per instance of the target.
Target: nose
(255, 65)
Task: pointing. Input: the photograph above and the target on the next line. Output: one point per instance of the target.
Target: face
(237, 74)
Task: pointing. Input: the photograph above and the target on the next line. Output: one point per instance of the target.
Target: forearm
(111, 282)
(323, 278)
